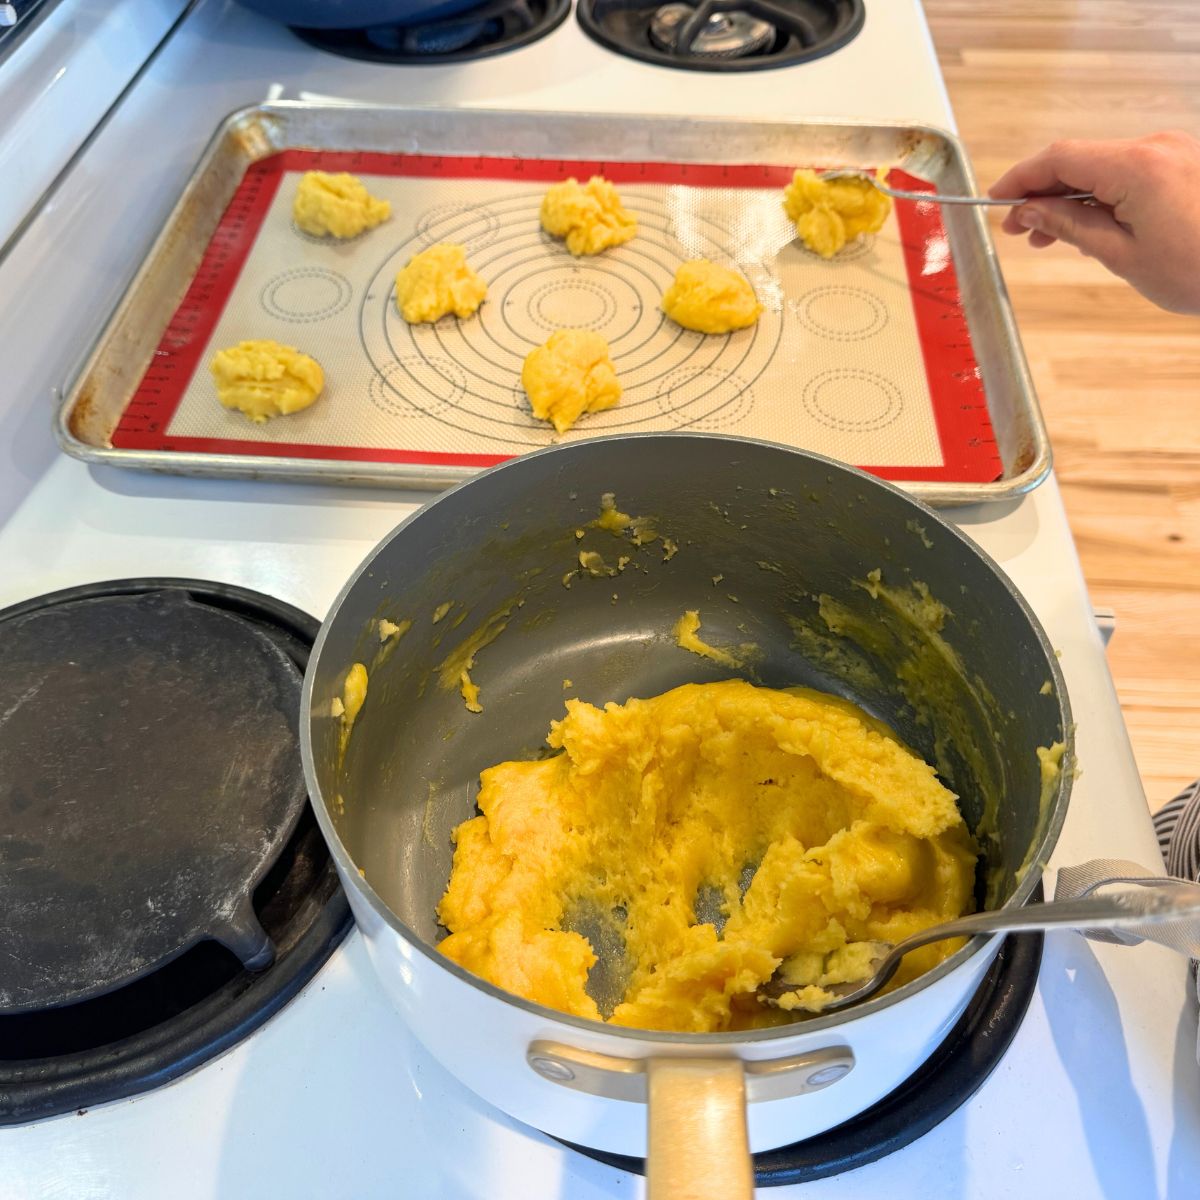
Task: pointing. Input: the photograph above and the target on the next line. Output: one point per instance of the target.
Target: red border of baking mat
(968, 445)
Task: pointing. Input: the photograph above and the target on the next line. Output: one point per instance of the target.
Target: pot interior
(776, 548)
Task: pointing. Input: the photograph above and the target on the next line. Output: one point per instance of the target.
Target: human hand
(1146, 226)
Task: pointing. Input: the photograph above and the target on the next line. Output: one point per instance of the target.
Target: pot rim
(1037, 862)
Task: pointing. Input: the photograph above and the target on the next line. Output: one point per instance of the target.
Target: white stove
(1099, 1094)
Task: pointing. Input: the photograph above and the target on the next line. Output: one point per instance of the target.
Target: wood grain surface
(1118, 380)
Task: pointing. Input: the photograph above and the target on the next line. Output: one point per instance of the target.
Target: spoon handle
(944, 198)
(1125, 909)
(979, 201)
(1138, 909)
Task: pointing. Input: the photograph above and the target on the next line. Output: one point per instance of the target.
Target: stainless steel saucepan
(776, 547)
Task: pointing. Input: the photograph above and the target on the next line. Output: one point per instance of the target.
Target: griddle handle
(246, 938)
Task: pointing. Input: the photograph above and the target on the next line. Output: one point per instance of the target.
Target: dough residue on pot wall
(904, 638)
(392, 629)
(1050, 761)
(687, 637)
(640, 530)
(637, 532)
(933, 680)
(653, 804)
(349, 704)
(454, 671)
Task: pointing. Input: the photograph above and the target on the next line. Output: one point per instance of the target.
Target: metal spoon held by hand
(942, 198)
(1163, 910)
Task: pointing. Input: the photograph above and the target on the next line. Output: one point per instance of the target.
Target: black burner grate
(490, 28)
(802, 31)
(200, 1003)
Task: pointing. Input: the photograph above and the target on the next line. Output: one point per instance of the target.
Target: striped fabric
(1177, 825)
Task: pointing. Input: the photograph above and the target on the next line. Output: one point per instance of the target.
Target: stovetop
(1097, 1095)
(722, 36)
(492, 27)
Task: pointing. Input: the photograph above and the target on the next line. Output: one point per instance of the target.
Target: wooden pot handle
(698, 1148)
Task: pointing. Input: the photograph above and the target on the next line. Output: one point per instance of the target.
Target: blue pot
(356, 14)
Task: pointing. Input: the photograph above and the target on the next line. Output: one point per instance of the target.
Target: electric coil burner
(722, 35)
(164, 887)
(491, 28)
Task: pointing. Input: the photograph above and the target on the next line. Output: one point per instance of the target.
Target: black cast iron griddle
(149, 776)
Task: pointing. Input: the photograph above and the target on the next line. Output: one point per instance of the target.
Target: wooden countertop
(1118, 380)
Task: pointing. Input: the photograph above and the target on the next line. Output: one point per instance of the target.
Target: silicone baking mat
(866, 358)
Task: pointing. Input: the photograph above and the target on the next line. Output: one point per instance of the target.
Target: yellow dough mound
(710, 299)
(266, 379)
(436, 282)
(589, 217)
(658, 808)
(570, 375)
(828, 214)
(336, 205)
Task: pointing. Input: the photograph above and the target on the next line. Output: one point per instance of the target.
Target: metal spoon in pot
(1169, 914)
(942, 197)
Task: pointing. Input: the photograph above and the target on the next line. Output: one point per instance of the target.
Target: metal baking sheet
(871, 358)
